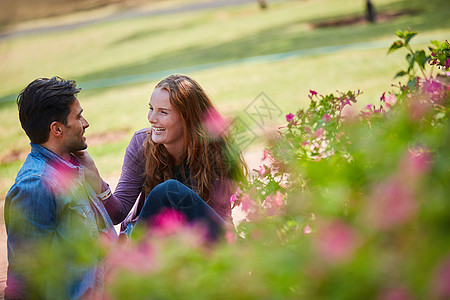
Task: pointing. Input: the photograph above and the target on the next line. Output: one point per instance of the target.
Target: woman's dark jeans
(172, 194)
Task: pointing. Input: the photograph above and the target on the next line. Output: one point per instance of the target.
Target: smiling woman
(182, 162)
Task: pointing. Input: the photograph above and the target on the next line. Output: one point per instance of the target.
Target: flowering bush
(348, 205)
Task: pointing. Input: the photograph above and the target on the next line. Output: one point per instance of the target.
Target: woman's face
(167, 127)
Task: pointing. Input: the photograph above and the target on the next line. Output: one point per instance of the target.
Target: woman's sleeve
(131, 180)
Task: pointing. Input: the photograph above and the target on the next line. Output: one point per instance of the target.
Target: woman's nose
(151, 117)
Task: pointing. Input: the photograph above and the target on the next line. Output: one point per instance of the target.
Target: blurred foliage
(348, 205)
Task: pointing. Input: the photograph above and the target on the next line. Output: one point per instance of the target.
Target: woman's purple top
(130, 186)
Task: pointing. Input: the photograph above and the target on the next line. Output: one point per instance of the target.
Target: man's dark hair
(42, 102)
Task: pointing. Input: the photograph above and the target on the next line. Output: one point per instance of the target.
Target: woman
(184, 143)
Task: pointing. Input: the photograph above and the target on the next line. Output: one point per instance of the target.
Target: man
(53, 218)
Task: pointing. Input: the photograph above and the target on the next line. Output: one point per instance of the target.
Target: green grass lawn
(170, 43)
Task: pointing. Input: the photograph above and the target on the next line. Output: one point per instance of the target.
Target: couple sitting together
(59, 201)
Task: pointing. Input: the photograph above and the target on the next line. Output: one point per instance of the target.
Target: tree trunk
(370, 12)
(262, 4)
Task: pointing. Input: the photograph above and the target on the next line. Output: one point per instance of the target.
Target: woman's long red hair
(209, 159)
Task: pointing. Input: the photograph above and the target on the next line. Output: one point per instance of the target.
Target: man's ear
(56, 129)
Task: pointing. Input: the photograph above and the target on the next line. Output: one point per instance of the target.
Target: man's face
(74, 139)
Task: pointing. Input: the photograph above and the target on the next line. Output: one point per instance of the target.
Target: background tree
(262, 4)
(370, 12)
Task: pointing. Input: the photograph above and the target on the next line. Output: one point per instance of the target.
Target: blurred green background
(118, 50)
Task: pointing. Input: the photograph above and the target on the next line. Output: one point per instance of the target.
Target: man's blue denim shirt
(53, 220)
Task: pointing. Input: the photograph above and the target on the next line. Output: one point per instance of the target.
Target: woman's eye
(164, 112)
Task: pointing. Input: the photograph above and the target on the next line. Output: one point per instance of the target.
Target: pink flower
(214, 124)
(290, 117)
(263, 170)
(326, 117)
(391, 100)
(233, 198)
(336, 241)
(313, 93)
(383, 98)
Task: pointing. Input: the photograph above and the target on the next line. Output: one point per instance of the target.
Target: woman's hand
(90, 170)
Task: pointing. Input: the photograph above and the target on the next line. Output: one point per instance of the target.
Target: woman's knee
(167, 185)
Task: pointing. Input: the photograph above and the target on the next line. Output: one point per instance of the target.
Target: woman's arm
(119, 204)
(130, 183)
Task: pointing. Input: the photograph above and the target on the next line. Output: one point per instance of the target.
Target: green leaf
(412, 83)
(400, 74)
(411, 59)
(409, 36)
(442, 58)
(400, 34)
(396, 45)
(421, 58)
(436, 43)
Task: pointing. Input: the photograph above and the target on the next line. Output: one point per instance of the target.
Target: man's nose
(85, 123)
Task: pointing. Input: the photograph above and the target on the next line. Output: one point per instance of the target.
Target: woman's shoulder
(139, 136)
(142, 133)
(135, 148)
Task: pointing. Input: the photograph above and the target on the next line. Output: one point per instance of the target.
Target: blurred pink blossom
(307, 229)
(266, 155)
(395, 293)
(273, 204)
(440, 284)
(230, 236)
(247, 204)
(390, 100)
(415, 163)
(336, 241)
(319, 132)
(62, 176)
(418, 108)
(326, 117)
(214, 124)
(349, 113)
(168, 222)
(391, 203)
(137, 258)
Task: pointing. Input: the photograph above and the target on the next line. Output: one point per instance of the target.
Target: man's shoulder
(34, 171)
(32, 167)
